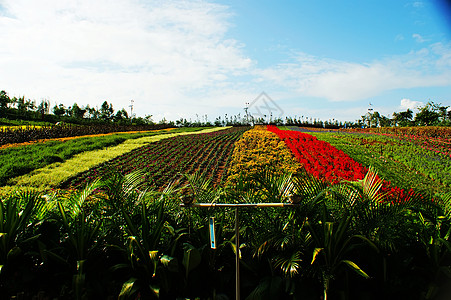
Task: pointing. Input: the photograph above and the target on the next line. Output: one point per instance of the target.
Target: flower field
(409, 161)
(14, 135)
(259, 150)
(165, 161)
(367, 216)
(320, 158)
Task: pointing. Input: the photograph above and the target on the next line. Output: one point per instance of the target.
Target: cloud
(418, 38)
(399, 37)
(174, 58)
(410, 104)
(418, 4)
(338, 80)
(151, 51)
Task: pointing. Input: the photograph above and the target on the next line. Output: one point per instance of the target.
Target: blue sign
(212, 233)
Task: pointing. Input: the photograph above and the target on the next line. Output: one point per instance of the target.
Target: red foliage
(320, 158)
(325, 162)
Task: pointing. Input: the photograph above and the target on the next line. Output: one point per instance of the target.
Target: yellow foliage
(259, 150)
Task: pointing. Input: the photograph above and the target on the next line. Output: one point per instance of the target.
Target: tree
(403, 118)
(59, 110)
(4, 100)
(385, 121)
(428, 114)
(121, 115)
(43, 107)
(77, 112)
(106, 111)
(21, 106)
(374, 119)
(93, 112)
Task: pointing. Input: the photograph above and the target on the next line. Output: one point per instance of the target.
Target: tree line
(431, 114)
(26, 109)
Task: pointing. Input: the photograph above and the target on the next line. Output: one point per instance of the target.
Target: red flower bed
(319, 158)
(327, 163)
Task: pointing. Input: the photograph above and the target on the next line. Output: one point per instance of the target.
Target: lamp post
(131, 111)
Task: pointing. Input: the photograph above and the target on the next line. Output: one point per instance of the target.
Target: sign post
(237, 228)
(212, 233)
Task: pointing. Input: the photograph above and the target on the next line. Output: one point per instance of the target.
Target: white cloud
(174, 59)
(418, 38)
(399, 37)
(348, 81)
(410, 104)
(151, 51)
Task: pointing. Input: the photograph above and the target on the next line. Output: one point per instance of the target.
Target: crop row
(164, 161)
(20, 160)
(325, 162)
(438, 132)
(260, 150)
(320, 158)
(426, 156)
(21, 135)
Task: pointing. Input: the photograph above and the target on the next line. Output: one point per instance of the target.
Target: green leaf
(127, 289)
(170, 262)
(315, 254)
(356, 268)
(191, 258)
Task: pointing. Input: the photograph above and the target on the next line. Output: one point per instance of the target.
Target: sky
(330, 60)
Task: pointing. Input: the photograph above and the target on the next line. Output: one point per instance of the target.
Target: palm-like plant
(333, 242)
(19, 214)
(199, 189)
(434, 235)
(142, 216)
(82, 232)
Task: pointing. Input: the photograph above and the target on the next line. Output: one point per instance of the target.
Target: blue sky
(321, 59)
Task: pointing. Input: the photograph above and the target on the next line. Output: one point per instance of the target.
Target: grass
(8, 122)
(50, 175)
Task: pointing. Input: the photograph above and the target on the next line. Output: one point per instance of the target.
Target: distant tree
(218, 122)
(20, 104)
(30, 105)
(445, 114)
(59, 110)
(92, 112)
(403, 118)
(428, 114)
(374, 119)
(385, 121)
(4, 100)
(120, 115)
(43, 108)
(149, 120)
(106, 111)
(77, 112)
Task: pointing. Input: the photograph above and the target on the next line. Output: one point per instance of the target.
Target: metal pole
(237, 228)
(237, 260)
(238, 205)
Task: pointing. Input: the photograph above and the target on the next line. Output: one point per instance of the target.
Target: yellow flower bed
(258, 150)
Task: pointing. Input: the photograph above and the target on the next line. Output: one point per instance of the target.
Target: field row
(164, 161)
(419, 162)
(121, 238)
